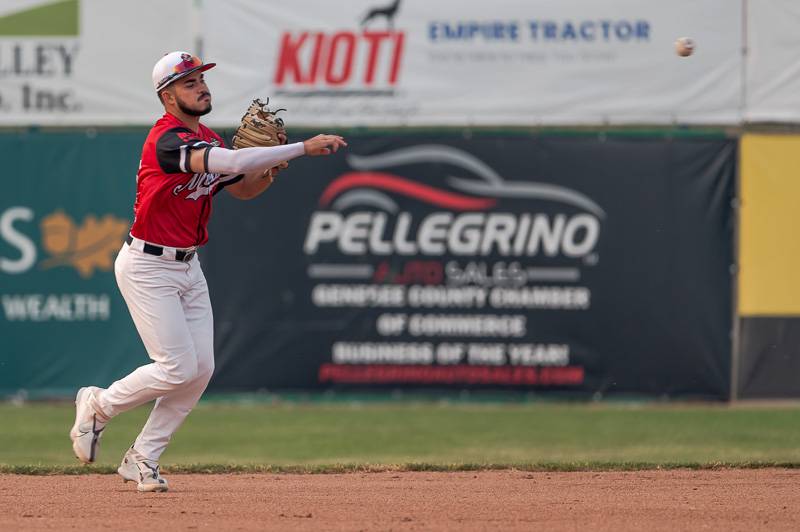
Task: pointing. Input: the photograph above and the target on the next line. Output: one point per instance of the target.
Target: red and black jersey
(173, 204)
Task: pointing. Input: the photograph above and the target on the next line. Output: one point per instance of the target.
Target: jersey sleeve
(173, 147)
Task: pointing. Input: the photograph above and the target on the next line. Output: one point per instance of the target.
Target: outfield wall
(68, 203)
(609, 256)
(586, 264)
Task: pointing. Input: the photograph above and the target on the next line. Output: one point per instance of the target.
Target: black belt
(150, 249)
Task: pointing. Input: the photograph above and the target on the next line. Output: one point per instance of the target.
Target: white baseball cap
(176, 65)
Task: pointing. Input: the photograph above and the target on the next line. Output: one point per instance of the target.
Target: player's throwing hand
(323, 144)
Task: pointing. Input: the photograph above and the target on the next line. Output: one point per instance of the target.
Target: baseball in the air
(684, 46)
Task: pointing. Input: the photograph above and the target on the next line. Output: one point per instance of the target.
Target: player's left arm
(254, 184)
(245, 168)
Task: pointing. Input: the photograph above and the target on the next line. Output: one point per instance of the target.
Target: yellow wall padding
(769, 243)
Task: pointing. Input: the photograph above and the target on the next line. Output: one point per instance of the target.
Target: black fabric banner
(769, 363)
(559, 264)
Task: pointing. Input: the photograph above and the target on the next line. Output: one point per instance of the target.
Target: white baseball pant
(169, 303)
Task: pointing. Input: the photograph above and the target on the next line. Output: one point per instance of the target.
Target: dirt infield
(762, 499)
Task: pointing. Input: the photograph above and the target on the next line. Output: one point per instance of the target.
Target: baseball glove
(260, 127)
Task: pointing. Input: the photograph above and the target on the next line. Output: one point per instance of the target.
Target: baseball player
(183, 165)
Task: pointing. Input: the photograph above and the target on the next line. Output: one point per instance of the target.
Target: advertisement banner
(411, 62)
(64, 212)
(86, 62)
(406, 62)
(772, 64)
(584, 265)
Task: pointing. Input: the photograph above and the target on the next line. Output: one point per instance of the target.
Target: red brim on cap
(201, 68)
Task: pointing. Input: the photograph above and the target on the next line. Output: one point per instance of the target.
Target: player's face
(192, 95)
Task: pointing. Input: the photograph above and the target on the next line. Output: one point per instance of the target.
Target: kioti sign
(341, 59)
(451, 62)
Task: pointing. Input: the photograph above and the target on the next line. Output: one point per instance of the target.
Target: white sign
(450, 62)
(401, 62)
(773, 61)
(92, 65)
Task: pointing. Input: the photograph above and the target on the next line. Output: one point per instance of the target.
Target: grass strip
(425, 437)
(327, 469)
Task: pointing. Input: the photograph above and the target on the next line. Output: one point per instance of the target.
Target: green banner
(65, 210)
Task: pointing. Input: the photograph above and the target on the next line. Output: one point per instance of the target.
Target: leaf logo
(92, 245)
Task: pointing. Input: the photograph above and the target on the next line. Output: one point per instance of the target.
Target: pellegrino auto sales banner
(451, 62)
(575, 264)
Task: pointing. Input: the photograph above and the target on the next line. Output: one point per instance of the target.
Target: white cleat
(88, 427)
(137, 468)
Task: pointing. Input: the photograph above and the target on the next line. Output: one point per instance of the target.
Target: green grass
(422, 436)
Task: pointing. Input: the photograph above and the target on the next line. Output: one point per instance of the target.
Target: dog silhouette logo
(388, 12)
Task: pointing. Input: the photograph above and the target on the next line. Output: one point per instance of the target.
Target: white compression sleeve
(224, 161)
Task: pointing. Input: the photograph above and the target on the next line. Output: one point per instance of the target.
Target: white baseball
(684, 46)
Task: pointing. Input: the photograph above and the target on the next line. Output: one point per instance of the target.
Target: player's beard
(190, 111)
